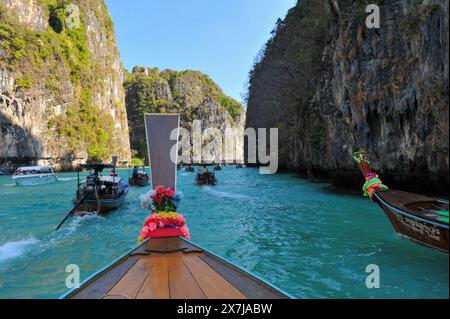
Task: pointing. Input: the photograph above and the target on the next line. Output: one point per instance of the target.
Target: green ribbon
(373, 181)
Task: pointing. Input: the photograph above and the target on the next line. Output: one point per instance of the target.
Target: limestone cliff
(61, 83)
(191, 93)
(330, 84)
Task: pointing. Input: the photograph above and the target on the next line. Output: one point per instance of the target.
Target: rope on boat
(99, 204)
(373, 183)
(184, 250)
(72, 211)
(115, 294)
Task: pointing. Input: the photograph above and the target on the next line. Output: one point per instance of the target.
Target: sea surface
(301, 236)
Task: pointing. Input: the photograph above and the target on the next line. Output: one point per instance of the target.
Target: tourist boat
(206, 178)
(34, 175)
(217, 167)
(420, 218)
(166, 265)
(138, 177)
(97, 193)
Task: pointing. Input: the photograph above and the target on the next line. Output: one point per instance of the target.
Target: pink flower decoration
(145, 231)
(151, 227)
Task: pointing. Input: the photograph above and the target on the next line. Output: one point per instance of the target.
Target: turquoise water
(298, 235)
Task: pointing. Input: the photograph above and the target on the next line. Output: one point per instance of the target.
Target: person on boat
(205, 169)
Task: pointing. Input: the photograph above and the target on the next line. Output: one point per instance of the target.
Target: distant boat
(190, 169)
(218, 167)
(4, 171)
(34, 175)
(99, 194)
(239, 166)
(206, 177)
(138, 177)
(417, 217)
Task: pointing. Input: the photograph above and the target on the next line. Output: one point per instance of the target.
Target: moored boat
(34, 175)
(138, 177)
(166, 265)
(417, 217)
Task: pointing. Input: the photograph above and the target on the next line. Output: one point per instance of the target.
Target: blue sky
(218, 37)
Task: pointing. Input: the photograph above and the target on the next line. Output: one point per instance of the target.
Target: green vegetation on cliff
(56, 54)
(192, 94)
(147, 89)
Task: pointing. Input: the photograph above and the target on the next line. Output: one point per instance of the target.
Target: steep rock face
(61, 83)
(191, 94)
(331, 85)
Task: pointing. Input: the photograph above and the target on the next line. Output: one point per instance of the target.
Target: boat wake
(66, 179)
(14, 249)
(79, 220)
(9, 185)
(224, 194)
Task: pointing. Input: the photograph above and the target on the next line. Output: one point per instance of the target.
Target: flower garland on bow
(163, 203)
(373, 183)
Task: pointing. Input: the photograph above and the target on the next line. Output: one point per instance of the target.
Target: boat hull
(201, 180)
(138, 183)
(173, 268)
(107, 205)
(34, 180)
(414, 227)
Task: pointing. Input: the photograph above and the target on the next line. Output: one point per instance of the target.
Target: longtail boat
(205, 177)
(98, 193)
(420, 218)
(166, 265)
(138, 178)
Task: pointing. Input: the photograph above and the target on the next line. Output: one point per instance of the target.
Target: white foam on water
(66, 179)
(9, 185)
(14, 249)
(224, 194)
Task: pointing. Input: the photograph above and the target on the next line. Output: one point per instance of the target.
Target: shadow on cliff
(18, 146)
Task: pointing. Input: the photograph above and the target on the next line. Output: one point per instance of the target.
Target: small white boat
(34, 175)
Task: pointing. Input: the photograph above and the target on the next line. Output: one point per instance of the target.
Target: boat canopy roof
(35, 168)
(98, 166)
(109, 179)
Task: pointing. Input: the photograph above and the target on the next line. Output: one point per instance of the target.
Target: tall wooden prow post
(162, 143)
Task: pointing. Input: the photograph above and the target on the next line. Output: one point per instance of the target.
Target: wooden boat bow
(421, 218)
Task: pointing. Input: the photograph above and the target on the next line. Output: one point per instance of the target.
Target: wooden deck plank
(98, 287)
(182, 284)
(130, 284)
(156, 285)
(251, 287)
(213, 285)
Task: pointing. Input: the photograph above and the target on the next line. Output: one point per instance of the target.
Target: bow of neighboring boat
(421, 218)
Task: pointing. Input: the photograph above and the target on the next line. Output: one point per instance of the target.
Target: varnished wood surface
(414, 204)
(171, 268)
